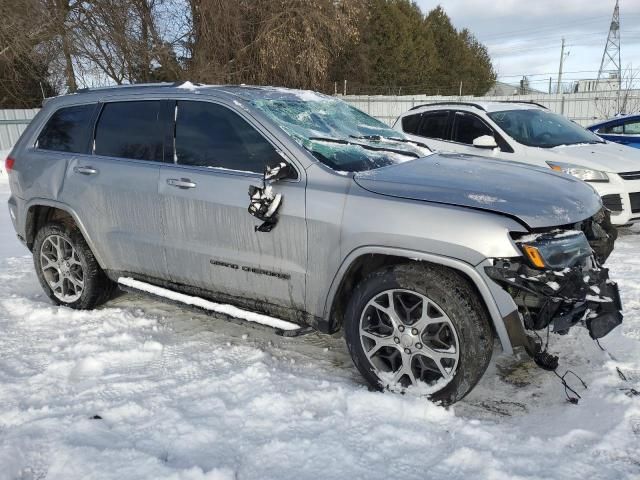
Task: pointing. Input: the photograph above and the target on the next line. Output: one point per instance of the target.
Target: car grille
(635, 202)
(630, 175)
(613, 202)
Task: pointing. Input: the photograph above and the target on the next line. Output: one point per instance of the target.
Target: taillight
(8, 164)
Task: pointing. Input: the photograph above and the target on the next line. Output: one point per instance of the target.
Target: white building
(592, 85)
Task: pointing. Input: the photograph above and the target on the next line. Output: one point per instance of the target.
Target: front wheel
(419, 327)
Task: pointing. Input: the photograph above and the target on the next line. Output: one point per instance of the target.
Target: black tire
(97, 286)
(456, 298)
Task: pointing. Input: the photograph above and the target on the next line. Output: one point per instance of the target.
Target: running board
(228, 312)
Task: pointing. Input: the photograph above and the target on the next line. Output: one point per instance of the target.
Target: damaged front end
(559, 281)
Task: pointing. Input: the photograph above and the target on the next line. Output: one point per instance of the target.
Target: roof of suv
(244, 92)
(487, 106)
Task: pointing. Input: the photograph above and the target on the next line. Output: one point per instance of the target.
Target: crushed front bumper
(561, 299)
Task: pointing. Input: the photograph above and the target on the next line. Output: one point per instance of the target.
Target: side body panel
(37, 175)
(120, 206)
(459, 238)
(211, 240)
(628, 140)
(327, 195)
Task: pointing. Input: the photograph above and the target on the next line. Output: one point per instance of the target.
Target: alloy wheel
(61, 268)
(409, 341)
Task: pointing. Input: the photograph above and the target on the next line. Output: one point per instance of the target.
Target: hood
(608, 157)
(538, 197)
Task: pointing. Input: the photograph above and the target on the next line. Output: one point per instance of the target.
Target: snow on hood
(538, 197)
(607, 157)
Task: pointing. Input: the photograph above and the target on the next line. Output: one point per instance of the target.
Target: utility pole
(561, 63)
(611, 56)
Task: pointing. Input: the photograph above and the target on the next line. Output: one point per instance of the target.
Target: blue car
(624, 129)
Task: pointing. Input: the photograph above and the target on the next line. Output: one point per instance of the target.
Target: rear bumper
(16, 213)
(13, 211)
(561, 299)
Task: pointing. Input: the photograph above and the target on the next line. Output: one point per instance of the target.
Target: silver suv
(290, 204)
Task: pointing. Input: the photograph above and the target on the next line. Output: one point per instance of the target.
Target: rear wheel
(67, 269)
(418, 327)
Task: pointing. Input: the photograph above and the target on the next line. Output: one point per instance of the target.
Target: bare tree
(620, 101)
(25, 54)
(630, 97)
(120, 41)
(280, 42)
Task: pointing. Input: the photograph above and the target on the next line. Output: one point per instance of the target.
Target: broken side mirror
(485, 141)
(263, 202)
(281, 171)
(264, 205)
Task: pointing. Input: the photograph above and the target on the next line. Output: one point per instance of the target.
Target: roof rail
(129, 85)
(528, 102)
(468, 104)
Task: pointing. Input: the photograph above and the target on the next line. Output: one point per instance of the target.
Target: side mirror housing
(485, 141)
(281, 171)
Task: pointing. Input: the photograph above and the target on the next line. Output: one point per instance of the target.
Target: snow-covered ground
(140, 389)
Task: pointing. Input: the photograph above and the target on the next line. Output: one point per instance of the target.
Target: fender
(43, 202)
(499, 308)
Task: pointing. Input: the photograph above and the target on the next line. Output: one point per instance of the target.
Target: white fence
(584, 108)
(12, 124)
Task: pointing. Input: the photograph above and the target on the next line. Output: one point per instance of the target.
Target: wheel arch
(41, 211)
(360, 262)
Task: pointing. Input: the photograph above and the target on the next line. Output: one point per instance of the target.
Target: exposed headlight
(584, 174)
(555, 251)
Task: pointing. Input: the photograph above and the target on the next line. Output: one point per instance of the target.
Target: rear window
(410, 123)
(130, 130)
(435, 125)
(67, 130)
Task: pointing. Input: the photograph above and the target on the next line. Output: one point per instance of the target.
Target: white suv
(529, 133)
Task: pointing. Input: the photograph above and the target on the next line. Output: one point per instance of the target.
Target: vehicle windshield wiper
(363, 145)
(589, 142)
(394, 139)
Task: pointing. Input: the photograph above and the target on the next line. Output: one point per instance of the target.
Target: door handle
(183, 183)
(85, 170)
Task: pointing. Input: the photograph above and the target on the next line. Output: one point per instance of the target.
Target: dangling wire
(568, 388)
(549, 362)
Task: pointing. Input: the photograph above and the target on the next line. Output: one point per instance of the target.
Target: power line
(537, 30)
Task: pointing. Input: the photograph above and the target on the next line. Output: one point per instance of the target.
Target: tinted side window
(210, 135)
(130, 130)
(410, 123)
(468, 128)
(613, 129)
(435, 125)
(67, 130)
(632, 128)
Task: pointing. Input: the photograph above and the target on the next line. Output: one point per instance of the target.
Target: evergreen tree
(399, 47)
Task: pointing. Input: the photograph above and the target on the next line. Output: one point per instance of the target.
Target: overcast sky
(524, 37)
